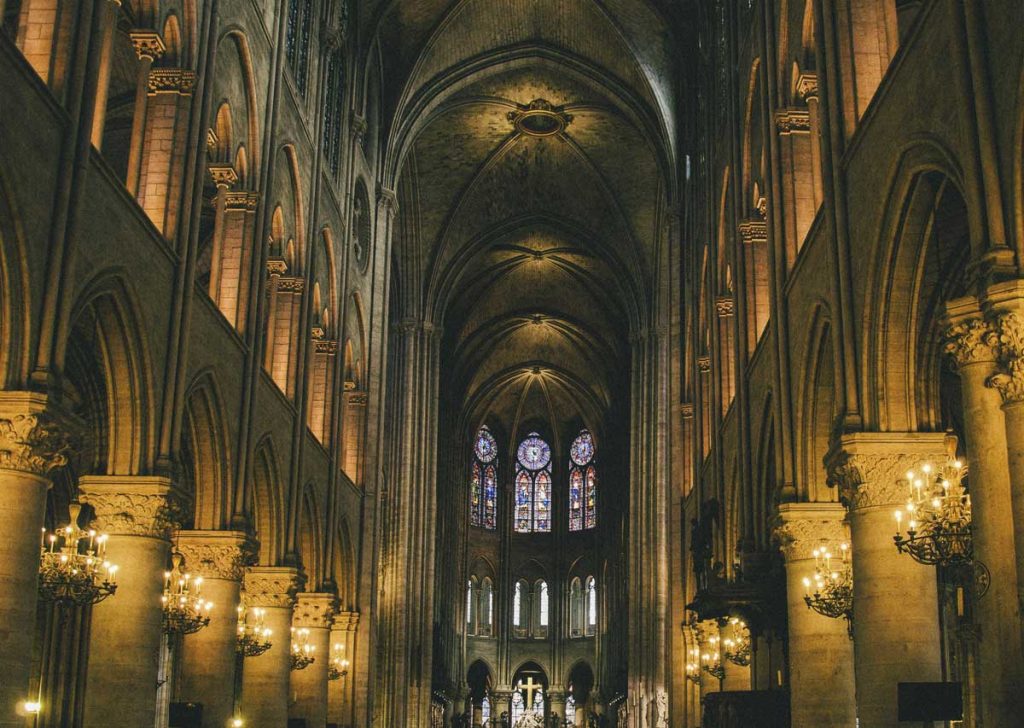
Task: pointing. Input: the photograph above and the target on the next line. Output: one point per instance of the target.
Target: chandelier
(736, 647)
(253, 637)
(938, 513)
(693, 665)
(302, 651)
(185, 611)
(832, 584)
(73, 569)
(338, 667)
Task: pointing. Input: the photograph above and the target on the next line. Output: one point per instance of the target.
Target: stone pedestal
(315, 612)
(896, 598)
(125, 632)
(266, 678)
(208, 656)
(821, 675)
(29, 449)
(975, 350)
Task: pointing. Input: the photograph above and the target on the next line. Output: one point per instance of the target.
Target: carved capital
(33, 442)
(358, 128)
(704, 364)
(291, 284)
(271, 586)
(1008, 335)
(869, 468)
(793, 121)
(970, 341)
(686, 410)
(802, 527)
(131, 505)
(753, 231)
(223, 175)
(171, 81)
(148, 44)
(244, 201)
(725, 306)
(215, 554)
(346, 621)
(807, 85)
(387, 200)
(277, 266)
(314, 610)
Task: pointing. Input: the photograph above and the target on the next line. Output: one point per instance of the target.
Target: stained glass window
(297, 37)
(582, 483)
(538, 702)
(518, 706)
(483, 483)
(469, 602)
(570, 709)
(542, 591)
(533, 485)
(485, 713)
(517, 605)
(334, 110)
(591, 605)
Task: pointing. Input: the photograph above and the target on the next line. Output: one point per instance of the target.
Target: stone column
(896, 598)
(315, 612)
(821, 677)
(30, 446)
(266, 678)
(974, 348)
(556, 700)
(339, 692)
(125, 632)
(502, 704)
(149, 46)
(208, 656)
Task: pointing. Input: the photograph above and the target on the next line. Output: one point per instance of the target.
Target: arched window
(485, 612)
(520, 614)
(469, 604)
(575, 609)
(541, 606)
(582, 483)
(518, 706)
(334, 110)
(483, 484)
(533, 485)
(485, 712)
(297, 36)
(570, 709)
(538, 702)
(591, 606)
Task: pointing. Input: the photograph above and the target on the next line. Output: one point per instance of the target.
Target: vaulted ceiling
(535, 253)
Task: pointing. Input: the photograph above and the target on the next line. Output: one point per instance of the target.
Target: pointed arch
(205, 453)
(311, 541)
(818, 408)
(266, 503)
(15, 313)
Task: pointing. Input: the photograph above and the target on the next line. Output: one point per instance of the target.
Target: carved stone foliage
(171, 81)
(314, 610)
(866, 480)
(798, 537)
(214, 555)
(793, 121)
(133, 514)
(271, 586)
(969, 342)
(32, 443)
(346, 621)
(1008, 333)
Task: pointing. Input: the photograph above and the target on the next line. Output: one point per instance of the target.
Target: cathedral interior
(662, 360)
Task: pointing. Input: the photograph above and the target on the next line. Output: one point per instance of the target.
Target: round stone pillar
(989, 435)
(266, 677)
(125, 633)
(502, 707)
(556, 700)
(896, 599)
(30, 448)
(315, 612)
(821, 676)
(340, 698)
(208, 656)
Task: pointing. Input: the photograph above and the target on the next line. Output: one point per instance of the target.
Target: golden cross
(530, 687)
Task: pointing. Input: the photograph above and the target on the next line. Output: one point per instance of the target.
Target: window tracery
(533, 485)
(483, 494)
(582, 483)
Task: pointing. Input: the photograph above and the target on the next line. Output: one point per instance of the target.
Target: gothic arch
(818, 408)
(344, 567)
(927, 235)
(205, 444)
(311, 542)
(15, 312)
(107, 339)
(246, 111)
(266, 503)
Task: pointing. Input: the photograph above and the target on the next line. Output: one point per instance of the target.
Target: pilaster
(313, 611)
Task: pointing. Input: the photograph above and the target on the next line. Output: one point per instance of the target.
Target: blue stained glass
(582, 450)
(490, 497)
(576, 500)
(524, 496)
(486, 447)
(483, 501)
(534, 453)
(475, 496)
(591, 500)
(542, 502)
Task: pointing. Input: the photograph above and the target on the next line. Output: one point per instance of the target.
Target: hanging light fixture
(693, 671)
(302, 651)
(185, 610)
(253, 637)
(938, 513)
(832, 585)
(73, 569)
(736, 647)
(338, 667)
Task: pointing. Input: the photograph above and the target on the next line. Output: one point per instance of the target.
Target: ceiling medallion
(540, 118)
